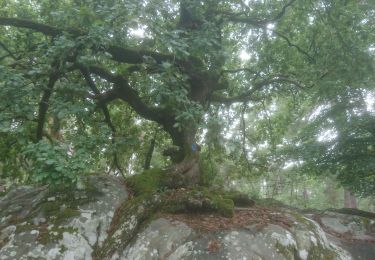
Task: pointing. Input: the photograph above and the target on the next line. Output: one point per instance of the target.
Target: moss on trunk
(153, 196)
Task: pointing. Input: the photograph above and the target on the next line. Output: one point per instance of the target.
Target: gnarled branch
(11, 54)
(239, 18)
(91, 84)
(122, 90)
(249, 95)
(119, 54)
(299, 49)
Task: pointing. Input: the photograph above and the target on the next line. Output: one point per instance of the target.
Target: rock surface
(36, 223)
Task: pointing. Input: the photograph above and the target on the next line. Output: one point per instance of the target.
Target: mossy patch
(57, 212)
(198, 200)
(46, 235)
(3, 242)
(26, 228)
(287, 251)
(270, 202)
(147, 182)
(135, 213)
(319, 252)
(53, 235)
(239, 199)
(50, 207)
(355, 212)
(60, 204)
(129, 218)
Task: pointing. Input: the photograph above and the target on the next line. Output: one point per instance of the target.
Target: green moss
(141, 209)
(58, 214)
(224, 207)
(25, 228)
(54, 234)
(198, 200)
(3, 242)
(63, 249)
(239, 199)
(50, 208)
(147, 182)
(355, 212)
(65, 214)
(319, 252)
(269, 202)
(287, 251)
(315, 252)
(301, 219)
(46, 236)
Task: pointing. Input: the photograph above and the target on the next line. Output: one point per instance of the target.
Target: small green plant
(55, 165)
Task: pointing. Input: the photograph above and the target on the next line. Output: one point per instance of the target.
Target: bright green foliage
(54, 164)
(105, 77)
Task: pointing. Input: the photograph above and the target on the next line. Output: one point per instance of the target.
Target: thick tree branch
(249, 95)
(124, 91)
(107, 117)
(44, 104)
(133, 56)
(8, 51)
(239, 18)
(22, 23)
(299, 49)
(248, 70)
(119, 54)
(91, 84)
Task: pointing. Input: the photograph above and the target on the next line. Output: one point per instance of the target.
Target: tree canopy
(89, 85)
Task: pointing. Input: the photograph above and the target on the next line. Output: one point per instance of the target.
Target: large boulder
(101, 221)
(42, 223)
(256, 233)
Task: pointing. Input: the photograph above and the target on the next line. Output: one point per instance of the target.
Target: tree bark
(150, 151)
(185, 171)
(350, 201)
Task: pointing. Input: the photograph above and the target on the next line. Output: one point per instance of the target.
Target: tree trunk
(330, 193)
(149, 154)
(350, 200)
(185, 170)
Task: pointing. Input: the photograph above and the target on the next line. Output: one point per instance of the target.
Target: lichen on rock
(101, 222)
(53, 223)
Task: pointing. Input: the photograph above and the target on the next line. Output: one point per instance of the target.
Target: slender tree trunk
(350, 201)
(330, 193)
(305, 195)
(56, 128)
(149, 154)
(291, 191)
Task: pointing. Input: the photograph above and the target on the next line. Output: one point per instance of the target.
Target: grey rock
(24, 227)
(72, 238)
(159, 239)
(166, 239)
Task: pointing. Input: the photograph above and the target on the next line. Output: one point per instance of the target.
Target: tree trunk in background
(56, 128)
(331, 193)
(149, 154)
(350, 200)
(305, 194)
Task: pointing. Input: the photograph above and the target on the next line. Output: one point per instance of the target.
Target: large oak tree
(172, 61)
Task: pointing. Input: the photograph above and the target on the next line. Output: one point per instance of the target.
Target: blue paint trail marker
(194, 147)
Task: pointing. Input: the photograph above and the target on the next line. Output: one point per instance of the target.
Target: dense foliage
(108, 85)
